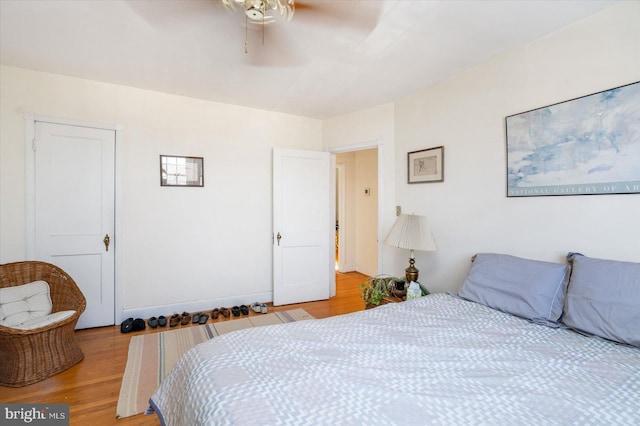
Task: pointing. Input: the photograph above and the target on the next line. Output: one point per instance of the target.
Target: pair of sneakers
(154, 322)
(259, 308)
(200, 318)
(131, 324)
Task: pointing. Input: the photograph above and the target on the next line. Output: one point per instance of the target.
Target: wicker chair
(29, 356)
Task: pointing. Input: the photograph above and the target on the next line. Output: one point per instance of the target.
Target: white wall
(193, 248)
(367, 211)
(470, 212)
(182, 246)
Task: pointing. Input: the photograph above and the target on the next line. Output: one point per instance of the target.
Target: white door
(303, 226)
(74, 213)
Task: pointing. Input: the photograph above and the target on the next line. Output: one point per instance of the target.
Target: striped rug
(151, 356)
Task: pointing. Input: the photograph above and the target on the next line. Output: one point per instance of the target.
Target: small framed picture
(426, 165)
(181, 171)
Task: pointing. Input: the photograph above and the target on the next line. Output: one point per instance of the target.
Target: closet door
(74, 211)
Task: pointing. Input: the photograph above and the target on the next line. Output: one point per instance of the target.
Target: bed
(440, 359)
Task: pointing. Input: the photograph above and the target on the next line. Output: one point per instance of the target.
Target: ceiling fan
(256, 13)
(313, 16)
(256, 10)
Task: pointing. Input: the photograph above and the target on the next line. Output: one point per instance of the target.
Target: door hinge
(33, 144)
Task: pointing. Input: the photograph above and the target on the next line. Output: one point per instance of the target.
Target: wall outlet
(398, 210)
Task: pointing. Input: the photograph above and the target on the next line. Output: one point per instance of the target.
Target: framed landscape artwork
(588, 145)
(426, 165)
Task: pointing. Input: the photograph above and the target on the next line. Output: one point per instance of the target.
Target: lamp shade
(411, 232)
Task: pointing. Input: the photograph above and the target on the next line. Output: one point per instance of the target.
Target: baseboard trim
(194, 306)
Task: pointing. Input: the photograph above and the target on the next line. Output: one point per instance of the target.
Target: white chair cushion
(44, 321)
(24, 303)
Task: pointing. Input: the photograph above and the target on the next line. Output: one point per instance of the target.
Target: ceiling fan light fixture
(256, 10)
(256, 13)
(286, 7)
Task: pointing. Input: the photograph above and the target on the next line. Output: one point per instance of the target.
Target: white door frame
(341, 219)
(376, 143)
(30, 120)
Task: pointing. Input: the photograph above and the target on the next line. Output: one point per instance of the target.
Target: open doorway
(357, 211)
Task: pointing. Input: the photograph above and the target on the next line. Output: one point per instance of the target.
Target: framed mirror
(181, 171)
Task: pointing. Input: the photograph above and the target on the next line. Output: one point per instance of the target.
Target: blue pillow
(603, 298)
(530, 289)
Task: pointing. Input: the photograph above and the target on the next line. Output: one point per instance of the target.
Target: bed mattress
(434, 360)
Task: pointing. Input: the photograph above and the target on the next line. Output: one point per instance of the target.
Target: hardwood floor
(91, 387)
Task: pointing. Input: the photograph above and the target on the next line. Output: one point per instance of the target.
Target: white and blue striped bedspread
(434, 360)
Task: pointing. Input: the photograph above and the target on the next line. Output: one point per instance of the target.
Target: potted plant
(380, 290)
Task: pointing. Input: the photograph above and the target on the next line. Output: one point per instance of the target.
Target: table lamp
(411, 232)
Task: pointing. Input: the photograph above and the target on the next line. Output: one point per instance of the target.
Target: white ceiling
(333, 57)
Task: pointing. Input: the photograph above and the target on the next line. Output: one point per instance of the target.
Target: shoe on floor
(175, 320)
(153, 322)
(235, 311)
(126, 326)
(263, 308)
(202, 319)
(244, 309)
(162, 321)
(186, 317)
(256, 308)
(196, 318)
(138, 325)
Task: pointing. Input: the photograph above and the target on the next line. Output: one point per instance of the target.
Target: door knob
(278, 237)
(106, 241)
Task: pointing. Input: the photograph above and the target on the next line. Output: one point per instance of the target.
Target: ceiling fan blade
(360, 15)
(173, 13)
(229, 4)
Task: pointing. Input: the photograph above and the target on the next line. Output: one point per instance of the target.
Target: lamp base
(411, 273)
